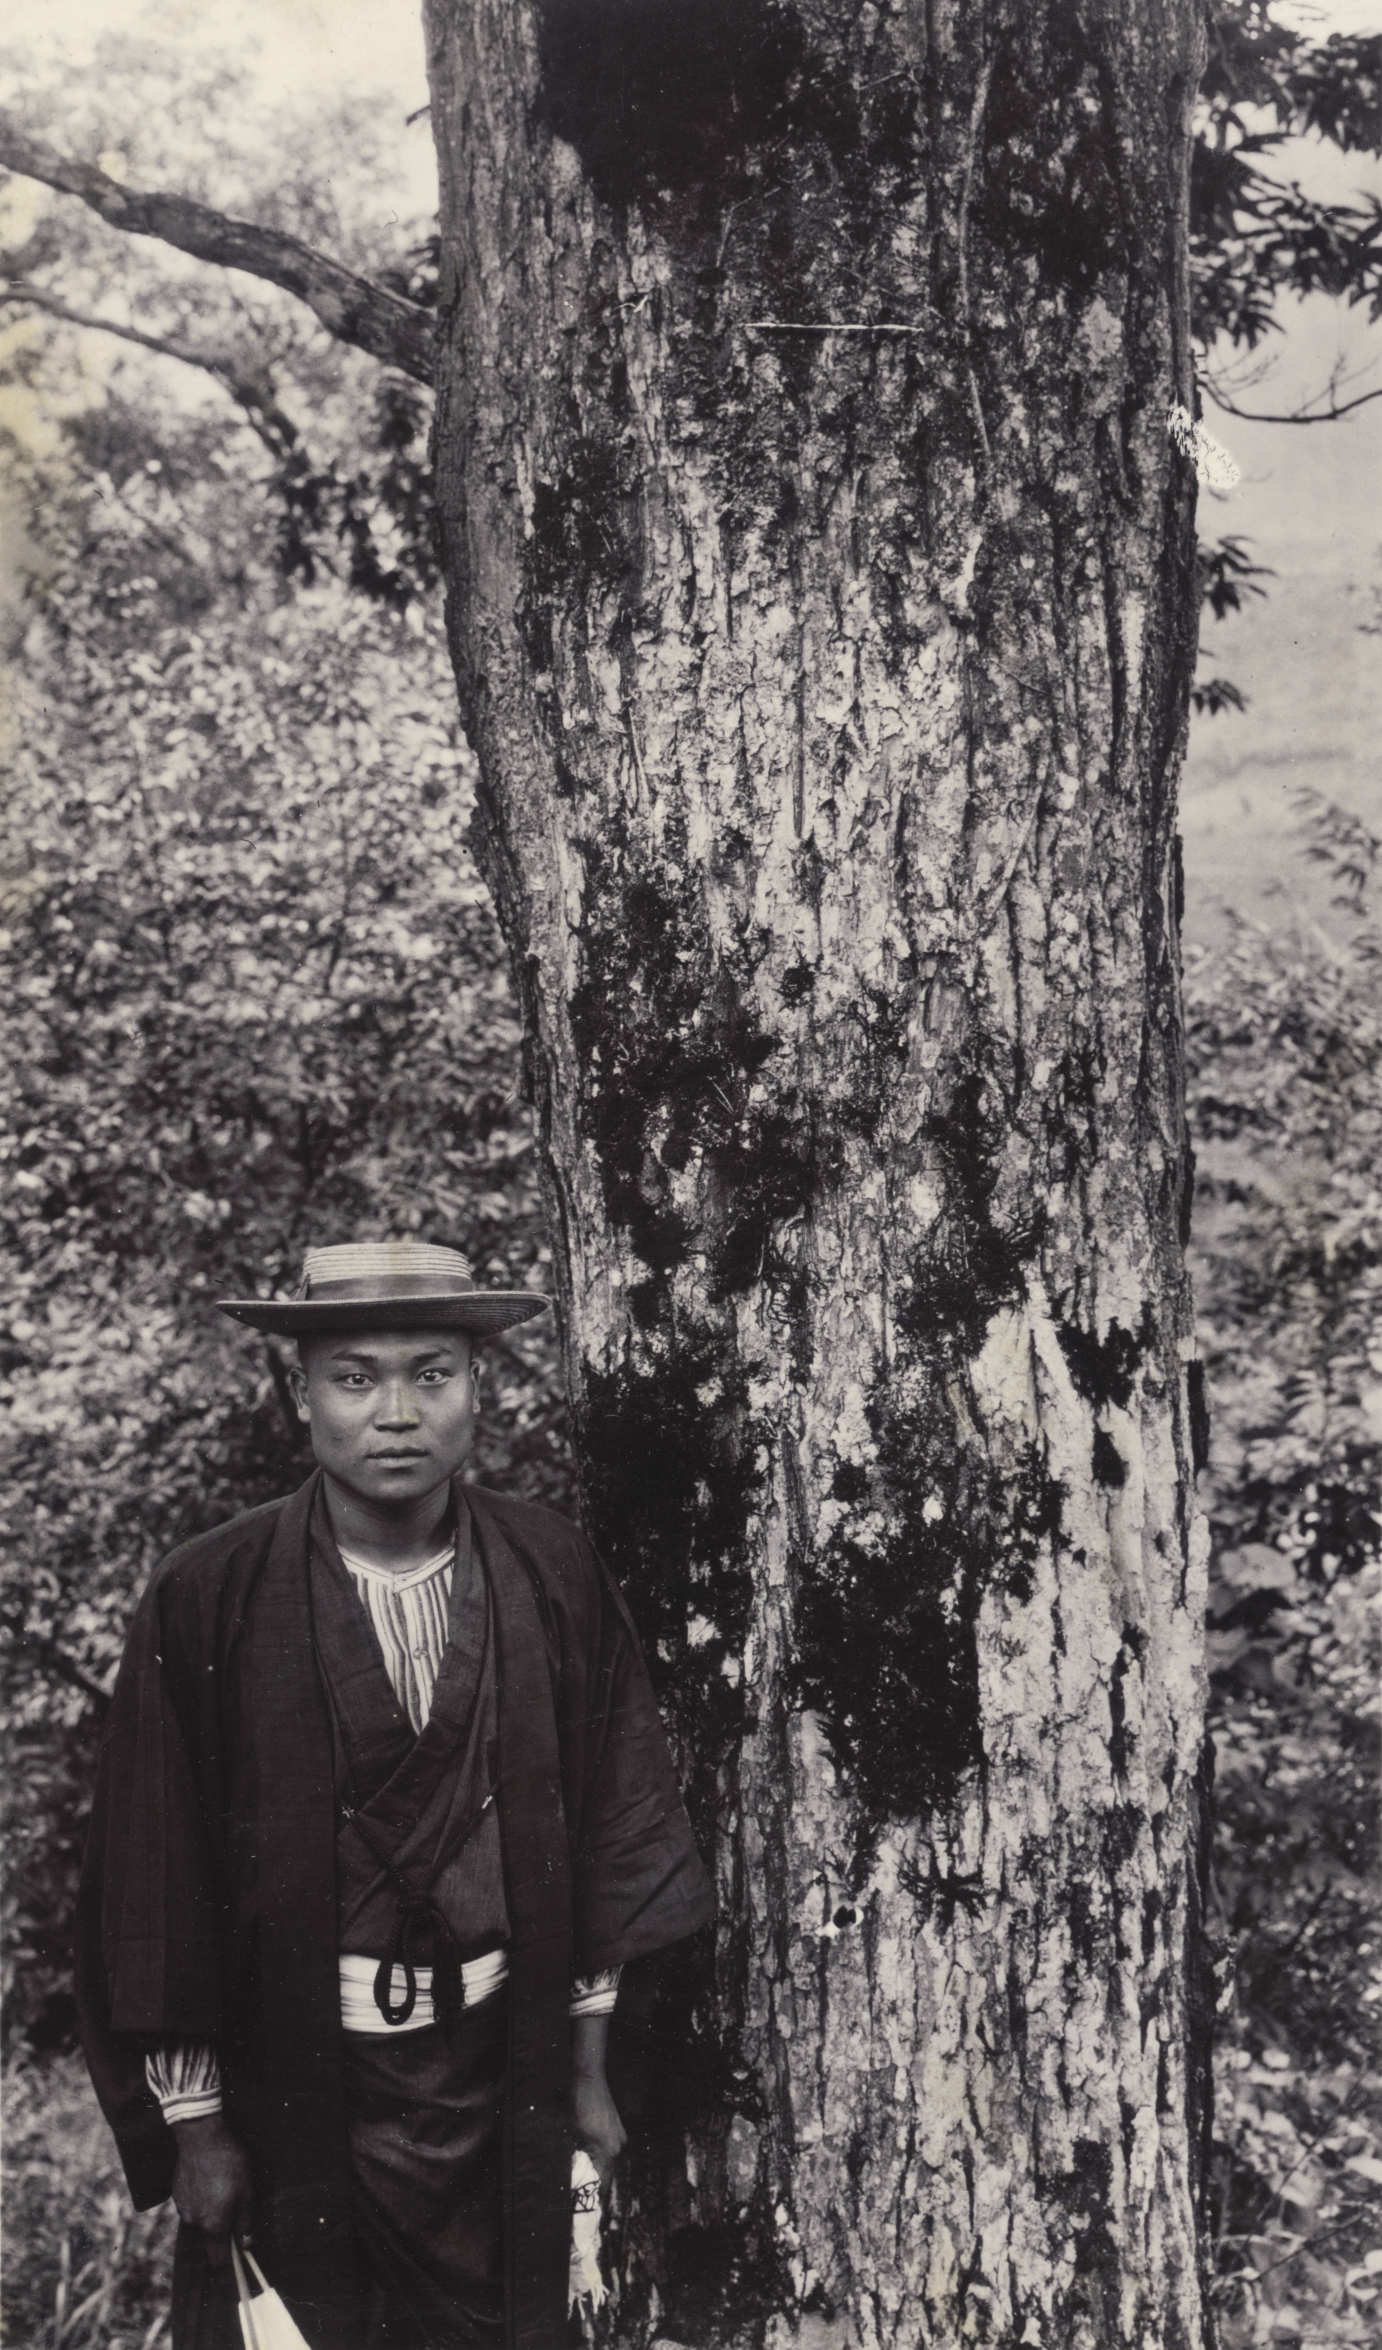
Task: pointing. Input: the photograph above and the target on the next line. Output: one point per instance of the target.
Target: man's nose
(397, 1406)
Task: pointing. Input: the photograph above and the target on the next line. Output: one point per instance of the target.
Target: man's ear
(297, 1382)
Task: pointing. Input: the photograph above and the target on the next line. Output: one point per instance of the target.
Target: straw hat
(386, 1285)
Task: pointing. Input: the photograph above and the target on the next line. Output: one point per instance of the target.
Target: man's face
(392, 1412)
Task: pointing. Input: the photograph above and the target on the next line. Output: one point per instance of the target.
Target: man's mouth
(415, 1454)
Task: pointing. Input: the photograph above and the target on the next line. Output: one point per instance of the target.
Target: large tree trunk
(822, 598)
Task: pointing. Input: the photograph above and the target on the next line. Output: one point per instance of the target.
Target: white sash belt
(482, 1977)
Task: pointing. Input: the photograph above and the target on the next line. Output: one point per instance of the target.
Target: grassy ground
(82, 2270)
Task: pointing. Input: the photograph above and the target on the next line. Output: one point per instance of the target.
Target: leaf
(1257, 1566)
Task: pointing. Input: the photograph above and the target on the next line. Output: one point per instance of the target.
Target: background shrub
(1285, 1046)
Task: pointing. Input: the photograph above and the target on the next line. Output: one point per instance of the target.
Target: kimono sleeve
(639, 1883)
(147, 1959)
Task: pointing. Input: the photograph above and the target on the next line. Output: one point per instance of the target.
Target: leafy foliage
(1228, 575)
(1254, 236)
(334, 445)
(1286, 1099)
(257, 998)
(1210, 695)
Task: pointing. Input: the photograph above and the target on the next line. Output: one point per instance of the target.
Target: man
(383, 1806)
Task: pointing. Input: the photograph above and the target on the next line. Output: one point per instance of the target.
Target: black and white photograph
(690, 700)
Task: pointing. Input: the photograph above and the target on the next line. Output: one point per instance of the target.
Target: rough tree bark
(822, 599)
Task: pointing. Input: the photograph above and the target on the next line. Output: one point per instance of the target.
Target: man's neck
(398, 1536)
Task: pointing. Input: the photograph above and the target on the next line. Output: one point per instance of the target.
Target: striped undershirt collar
(373, 1573)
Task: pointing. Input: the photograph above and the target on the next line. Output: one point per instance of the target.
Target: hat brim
(480, 1311)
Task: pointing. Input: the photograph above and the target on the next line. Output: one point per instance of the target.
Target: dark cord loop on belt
(416, 1910)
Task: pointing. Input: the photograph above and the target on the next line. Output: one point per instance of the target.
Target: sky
(295, 50)
(359, 42)
(349, 44)
(377, 44)
(1322, 17)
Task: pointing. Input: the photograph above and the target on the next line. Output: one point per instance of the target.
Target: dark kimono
(209, 1902)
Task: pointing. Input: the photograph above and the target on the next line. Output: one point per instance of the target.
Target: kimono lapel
(468, 1634)
(299, 2090)
(371, 1722)
(537, 1879)
(394, 1771)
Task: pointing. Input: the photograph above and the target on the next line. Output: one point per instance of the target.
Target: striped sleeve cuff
(185, 2076)
(595, 1994)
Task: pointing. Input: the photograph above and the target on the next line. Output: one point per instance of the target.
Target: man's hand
(212, 2185)
(598, 2127)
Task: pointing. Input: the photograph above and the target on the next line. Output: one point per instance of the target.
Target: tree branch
(1328, 415)
(275, 428)
(348, 306)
